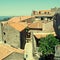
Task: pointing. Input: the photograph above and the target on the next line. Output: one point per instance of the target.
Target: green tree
(47, 45)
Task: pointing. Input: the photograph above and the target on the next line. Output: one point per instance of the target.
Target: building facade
(13, 35)
(44, 14)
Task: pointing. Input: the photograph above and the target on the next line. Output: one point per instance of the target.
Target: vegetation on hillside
(5, 18)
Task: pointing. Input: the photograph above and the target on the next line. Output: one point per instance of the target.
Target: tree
(47, 45)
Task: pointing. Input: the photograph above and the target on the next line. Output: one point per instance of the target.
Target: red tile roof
(18, 26)
(45, 10)
(19, 19)
(37, 24)
(6, 50)
(42, 34)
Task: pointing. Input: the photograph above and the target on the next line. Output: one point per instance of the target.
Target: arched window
(48, 12)
(44, 12)
(39, 12)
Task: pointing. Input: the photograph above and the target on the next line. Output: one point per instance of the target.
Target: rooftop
(47, 13)
(43, 34)
(37, 24)
(45, 10)
(6, 50)
(19, 19)
(18, 26)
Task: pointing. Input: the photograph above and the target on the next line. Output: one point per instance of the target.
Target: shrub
(47, 45)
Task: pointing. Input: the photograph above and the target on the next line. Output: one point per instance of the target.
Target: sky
(25, 7)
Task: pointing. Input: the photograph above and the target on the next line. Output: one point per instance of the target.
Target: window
(4, 33)
(48, 12)
(39, 12)
(42, 18)
(1, 24)
(28, 35)
(5, 41)
(44, 12)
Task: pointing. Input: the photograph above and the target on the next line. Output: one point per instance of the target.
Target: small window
(28, 35)
(44, 12)
(42, 18)
(48, 12)
(4, 33)
(39, 12)
(5, 41)
(1, 24)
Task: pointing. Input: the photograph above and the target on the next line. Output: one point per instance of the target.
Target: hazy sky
(25, 7)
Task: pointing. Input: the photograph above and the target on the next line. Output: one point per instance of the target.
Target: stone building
(48, 26)
(27, 19)
(13, 33)
(44, 14)
(36, 26)
(41, 26)
(41, 29)
(9, 53)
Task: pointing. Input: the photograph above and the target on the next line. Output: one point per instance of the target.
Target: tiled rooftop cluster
(40, 28)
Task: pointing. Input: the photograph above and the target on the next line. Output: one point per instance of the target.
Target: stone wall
(0, 32)
(14, 56)
(11, 36)
(48, 27)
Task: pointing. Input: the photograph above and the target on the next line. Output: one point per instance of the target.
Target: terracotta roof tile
(45, 10)
(25, 17)
(19, 19)
(14, 19)
(40, 35)
(6, 50)
(18, 26)
(37, 24)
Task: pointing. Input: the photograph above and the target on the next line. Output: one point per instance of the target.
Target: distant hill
(5, 18)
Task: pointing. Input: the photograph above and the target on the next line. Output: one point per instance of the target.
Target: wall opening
(44, 12)
(48, 12)
(42, 18)
(39, 12)
(5, 41)
(4, 33)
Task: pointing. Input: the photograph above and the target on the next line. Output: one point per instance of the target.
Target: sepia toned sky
(25, 7)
